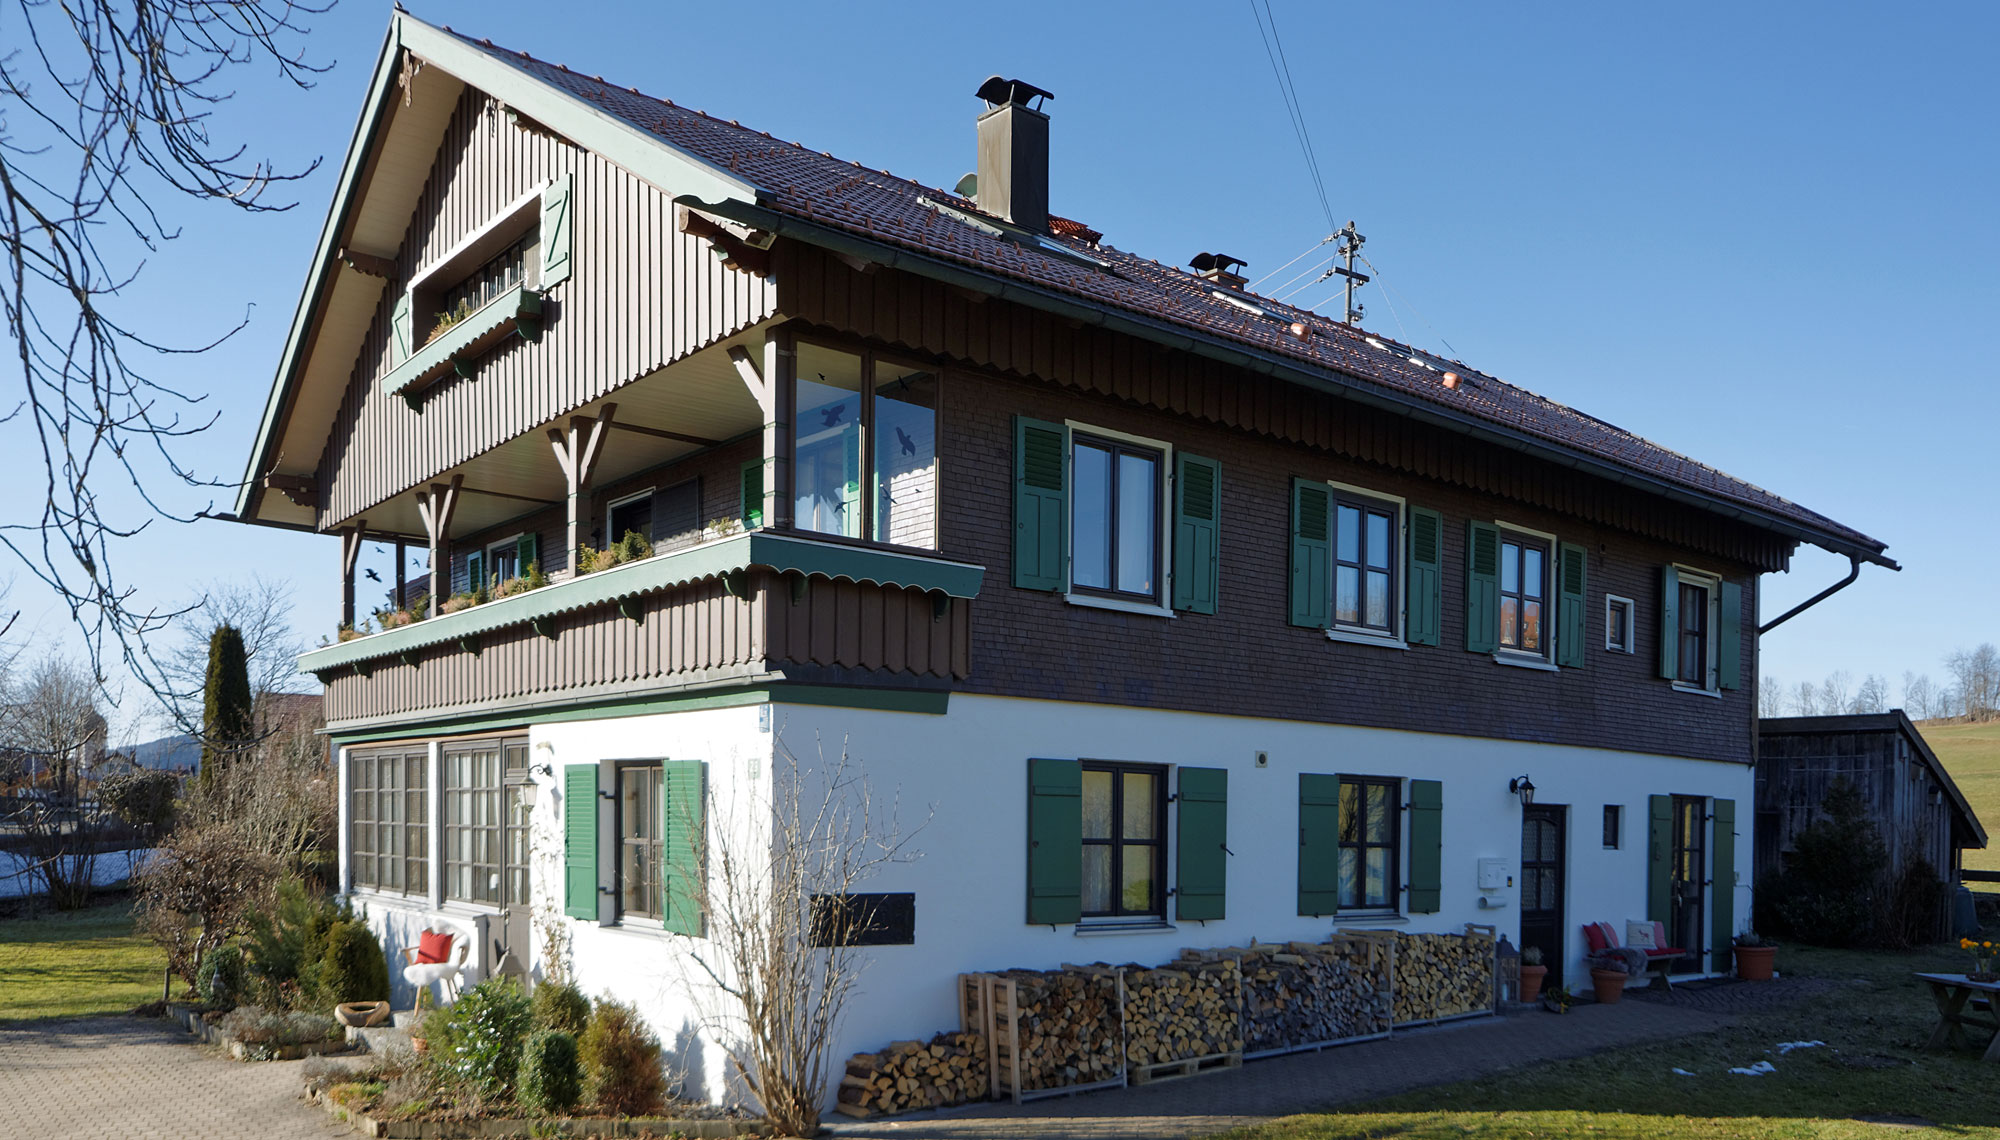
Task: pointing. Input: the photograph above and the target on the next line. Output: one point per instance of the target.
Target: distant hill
(170, 753)
(1971, 753)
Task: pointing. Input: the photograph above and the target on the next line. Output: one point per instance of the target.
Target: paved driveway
(121, 1078)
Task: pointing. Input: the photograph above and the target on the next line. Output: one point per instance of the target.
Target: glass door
(1688, 894)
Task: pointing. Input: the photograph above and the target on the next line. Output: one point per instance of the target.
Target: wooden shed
(1916, 806)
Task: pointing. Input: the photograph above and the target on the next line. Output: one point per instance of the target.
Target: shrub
(353, 968)
(478, 1040)
(255, 1025)
(1916, 906)
(621, 1061)
(561, 1007)
(551, 1078)
(143, 801)
(1827, 893)
(287, 943)
(223, 980)
(196, 892)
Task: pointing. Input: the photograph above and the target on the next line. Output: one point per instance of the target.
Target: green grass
(1877, 1015)
(81, 964)
(1971, 753)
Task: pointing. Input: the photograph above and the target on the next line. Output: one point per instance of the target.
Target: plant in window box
(457, 602)
(448, 319)
(722, 528)
(1532, 972)
(349, 633)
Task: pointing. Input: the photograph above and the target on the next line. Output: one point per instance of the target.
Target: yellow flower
(1965, 944)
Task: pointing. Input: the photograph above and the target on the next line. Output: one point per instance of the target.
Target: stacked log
(1065, 1027)
(1184, 1009)
(1300, 993)
(1443, 975)
(911, 1075)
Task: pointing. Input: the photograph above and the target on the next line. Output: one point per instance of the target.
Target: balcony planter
(457, 349)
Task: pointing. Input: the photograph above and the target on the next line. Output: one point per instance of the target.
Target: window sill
(1149, 609)
(391, 898)
(1372, 918)
(1690, 689)
(1105, 929)
(1523, 661)
(1351, 637)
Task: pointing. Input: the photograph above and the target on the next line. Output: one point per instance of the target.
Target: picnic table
(1953, 992)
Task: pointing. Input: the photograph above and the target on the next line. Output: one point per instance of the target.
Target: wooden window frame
(1614, 826)
(865, 528)
(412, 879)
(452, 798)
(1162, 455)
(1524, 540)
(1709, 585)
(1619, 635)
(1397, 880)
(1365, 501)
(1118, 842)
(430, 285)
(655, 860)
(611, 508)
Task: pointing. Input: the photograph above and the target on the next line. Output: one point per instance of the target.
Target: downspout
(1853, 572)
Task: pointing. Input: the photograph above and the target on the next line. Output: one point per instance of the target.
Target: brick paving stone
(1303, 1082)
(123, 1078)
(1731, 996)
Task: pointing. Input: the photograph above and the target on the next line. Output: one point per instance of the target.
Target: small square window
(1618, 624)
(1613, 820)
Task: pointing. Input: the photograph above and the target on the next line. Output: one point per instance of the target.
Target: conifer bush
(561, 1007)
(621, 1061)
(551, 1076)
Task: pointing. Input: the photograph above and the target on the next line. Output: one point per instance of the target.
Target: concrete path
(122, 1078)
(1280, 1086)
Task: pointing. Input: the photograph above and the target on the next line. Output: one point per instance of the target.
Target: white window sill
(1149, 609)
(391, 898)
(1353, 637)
(1524, 661)
(467, 909)
(1371, 918)
(1106, 929)
(1690, 689)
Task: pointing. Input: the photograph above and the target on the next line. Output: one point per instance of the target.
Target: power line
(1267, 276)
(1274, 50)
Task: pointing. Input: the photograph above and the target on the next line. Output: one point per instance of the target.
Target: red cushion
(1666, 952)
(433, 948)
(1593, 932)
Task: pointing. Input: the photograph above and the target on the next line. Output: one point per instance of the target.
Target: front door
(1687, 894)
(1542, 855)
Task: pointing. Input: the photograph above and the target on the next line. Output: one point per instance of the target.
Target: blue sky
(1760, 235)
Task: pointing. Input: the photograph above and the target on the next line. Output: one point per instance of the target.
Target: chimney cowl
(1219, 268)
(1013, 173)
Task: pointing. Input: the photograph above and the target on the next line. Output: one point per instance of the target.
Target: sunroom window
(842, 483)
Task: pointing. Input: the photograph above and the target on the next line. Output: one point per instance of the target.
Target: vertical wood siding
(642, 296)
(847, 625)
(917, 313)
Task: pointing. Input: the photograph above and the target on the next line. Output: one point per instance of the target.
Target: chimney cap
(1206, 262)
(997, 91)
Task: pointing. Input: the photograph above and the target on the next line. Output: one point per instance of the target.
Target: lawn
(1874, 1022)
(1971, 753)
(76, 965)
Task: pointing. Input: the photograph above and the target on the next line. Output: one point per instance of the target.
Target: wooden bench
(1602, 936)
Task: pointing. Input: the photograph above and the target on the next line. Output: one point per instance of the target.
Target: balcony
(746, 610)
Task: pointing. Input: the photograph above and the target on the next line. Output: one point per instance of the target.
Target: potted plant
(1557, 1000)
(1607, 980)
(1532, 972)
(1754, 955)
(426, 1003)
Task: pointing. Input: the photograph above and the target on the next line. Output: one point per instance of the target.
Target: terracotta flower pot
(1753, 963)
(361, 1013)
(1531, 982)
(1609, 985)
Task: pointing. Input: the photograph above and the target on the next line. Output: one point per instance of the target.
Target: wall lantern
(1524, 788)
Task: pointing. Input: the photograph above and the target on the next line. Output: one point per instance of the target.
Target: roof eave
(1242, 356)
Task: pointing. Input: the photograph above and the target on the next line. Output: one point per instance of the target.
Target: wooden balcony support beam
(436, 506)
(662, 433)
(577, 449)
(350, 554)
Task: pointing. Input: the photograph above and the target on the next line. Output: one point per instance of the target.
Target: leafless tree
(1872, 696)
(106, 119)
(1770, 696)
(1976, 675)
(1834, 693)
(51, 727)
(279, 799)
(260, 610)
(1805, 699)
(783, 962)
(1919, 695)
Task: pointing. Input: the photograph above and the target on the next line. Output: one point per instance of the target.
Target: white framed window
(632, 512)
(1697, 617)
(1527, 596)
(1119, 519)
(1368, 542)
(1619, 624)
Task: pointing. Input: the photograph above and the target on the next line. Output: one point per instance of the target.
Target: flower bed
(249, 1033)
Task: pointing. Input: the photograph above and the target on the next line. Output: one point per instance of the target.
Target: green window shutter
(1197, 529)
(1055, 841)
(1201, 860)
(1482, 587)
(1426, 846)
(751, 505)
(1041, 500)
(527, 552)
(475, 571)
(1423, 578)
(1660, 857)
(683, 834)
(1729, 636)
(399, 327)
(1319, 844)
(1670, 622)
(1311, 601)
(1573, 617)
(555, 238)
(1722, 859)
(580, 841)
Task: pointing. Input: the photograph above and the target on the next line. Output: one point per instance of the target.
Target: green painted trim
(724, 556)
(520, 304)
(926, 702)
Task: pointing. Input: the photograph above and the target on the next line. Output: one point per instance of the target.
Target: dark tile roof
(882, 207)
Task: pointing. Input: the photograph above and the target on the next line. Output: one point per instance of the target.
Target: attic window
(519, 263)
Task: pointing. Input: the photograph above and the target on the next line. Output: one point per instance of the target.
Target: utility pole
(1351, 242)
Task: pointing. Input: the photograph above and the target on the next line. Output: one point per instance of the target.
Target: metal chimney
(1014, 154)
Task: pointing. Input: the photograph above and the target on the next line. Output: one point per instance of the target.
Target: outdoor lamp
(1523, 787)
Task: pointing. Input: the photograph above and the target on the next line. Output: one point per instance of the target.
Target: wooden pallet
(989, 1004)
(1190, 1067)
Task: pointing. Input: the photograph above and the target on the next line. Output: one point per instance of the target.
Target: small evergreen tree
(1828, 894)
(226, 726)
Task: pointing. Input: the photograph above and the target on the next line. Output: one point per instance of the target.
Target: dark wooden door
(1688, 887)
(1543, 848)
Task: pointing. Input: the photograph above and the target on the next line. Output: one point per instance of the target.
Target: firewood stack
(912, 1075)
(1067, 1026)
(1443, 975)
(1184, 1009)
(1300, 993)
